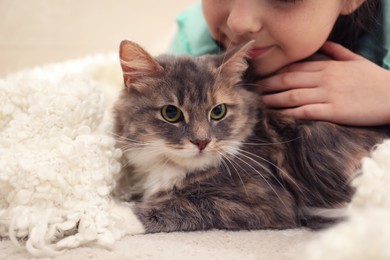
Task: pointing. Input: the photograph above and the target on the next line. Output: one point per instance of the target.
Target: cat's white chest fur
(162, 179)
(153, 174)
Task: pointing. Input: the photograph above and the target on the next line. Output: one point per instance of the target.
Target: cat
(203, 152)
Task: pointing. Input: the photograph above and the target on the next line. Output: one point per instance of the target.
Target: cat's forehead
(190, 79)
(188, 68)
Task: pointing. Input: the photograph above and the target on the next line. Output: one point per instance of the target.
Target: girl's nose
(244, 18)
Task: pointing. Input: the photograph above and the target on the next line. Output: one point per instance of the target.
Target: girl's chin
(263, 73)
(267, 66)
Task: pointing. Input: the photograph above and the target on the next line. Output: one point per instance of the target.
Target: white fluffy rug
(58, 164)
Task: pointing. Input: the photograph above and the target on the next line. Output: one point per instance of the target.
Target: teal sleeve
(192, 36)
(375, 45)
(386, 61)
(386, 30)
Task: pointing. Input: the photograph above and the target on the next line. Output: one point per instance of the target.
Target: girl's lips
(257, 52)
(253, 53)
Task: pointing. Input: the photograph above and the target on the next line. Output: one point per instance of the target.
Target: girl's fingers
(312, 64)
(287, 81)
(294, 98)
(310, 112)
(339, 52)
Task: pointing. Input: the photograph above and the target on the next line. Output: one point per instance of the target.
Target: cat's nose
(201, 144)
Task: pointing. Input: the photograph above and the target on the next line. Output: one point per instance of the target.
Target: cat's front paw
(126, 220)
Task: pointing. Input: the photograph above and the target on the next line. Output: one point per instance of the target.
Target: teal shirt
(194, 38)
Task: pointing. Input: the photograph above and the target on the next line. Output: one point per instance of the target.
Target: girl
(351, 86)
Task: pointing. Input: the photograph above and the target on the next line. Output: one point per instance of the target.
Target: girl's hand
(347, 90)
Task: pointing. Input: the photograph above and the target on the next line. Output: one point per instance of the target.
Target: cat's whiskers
(134, 141)
(128, 147)
(226, 167)
(146, 149)
(133, 145)
(285, 174)
(116, 136)
(131, 148)
(124, 139)
(261, 175)
(234, 164)
(245, 154)
(267, 143)
(225, 164)
(120, 137)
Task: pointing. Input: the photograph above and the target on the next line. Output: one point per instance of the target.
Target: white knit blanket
(58, 164)
(58, 161)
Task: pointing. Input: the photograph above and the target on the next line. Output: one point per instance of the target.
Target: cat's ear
(235, 62)
(136, 62)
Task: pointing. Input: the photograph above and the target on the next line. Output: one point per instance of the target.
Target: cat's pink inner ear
(236, 63)
(136, 62)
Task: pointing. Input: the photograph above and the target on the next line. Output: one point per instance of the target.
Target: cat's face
(185, 111)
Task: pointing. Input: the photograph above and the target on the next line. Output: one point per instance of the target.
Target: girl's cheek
(214, 13)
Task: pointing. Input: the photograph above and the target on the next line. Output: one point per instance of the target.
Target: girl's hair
(350, 28)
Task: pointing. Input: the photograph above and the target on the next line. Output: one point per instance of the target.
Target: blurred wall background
(37, 32)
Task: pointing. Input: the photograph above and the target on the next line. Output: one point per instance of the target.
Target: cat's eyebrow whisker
(285, 174)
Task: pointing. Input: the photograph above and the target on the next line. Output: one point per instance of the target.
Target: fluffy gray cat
(202, 152)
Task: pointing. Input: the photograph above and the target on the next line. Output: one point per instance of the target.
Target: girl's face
(285, 31)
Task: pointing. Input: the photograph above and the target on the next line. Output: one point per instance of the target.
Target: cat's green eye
(171, 113)
(218, 112)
